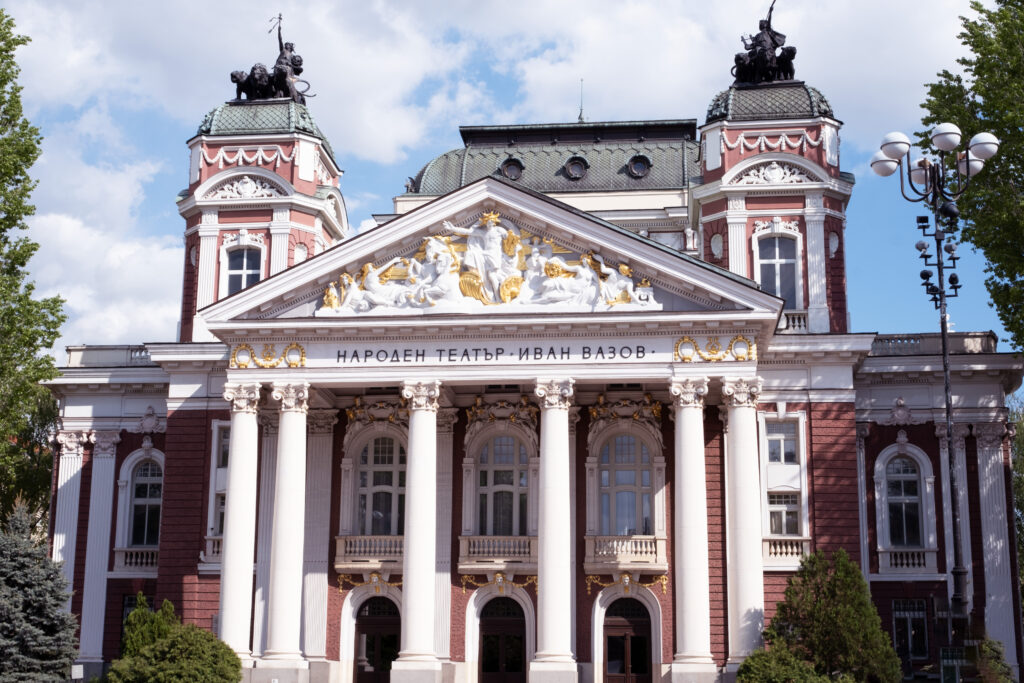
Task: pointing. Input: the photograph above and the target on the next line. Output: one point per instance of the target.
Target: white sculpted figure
(616, 284)
(568, 284)
(486, 253)
(437, 278)
(373, 292)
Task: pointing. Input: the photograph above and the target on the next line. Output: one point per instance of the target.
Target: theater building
(574, 411)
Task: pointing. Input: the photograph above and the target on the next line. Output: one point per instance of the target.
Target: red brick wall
(183, 525)
(117, 591)
(835, 277)
(884, 592)
(190, 282)
(832, 475)
(718, 227)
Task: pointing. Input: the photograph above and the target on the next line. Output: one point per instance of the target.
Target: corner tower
(772, 206)
(262, 196)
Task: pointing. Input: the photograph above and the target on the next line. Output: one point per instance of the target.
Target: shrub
(188, 654)
(777, 665)
(145, 627)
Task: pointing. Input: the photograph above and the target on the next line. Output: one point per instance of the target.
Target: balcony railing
(493, 553)
(213, 549)
(368, 553)
(610, 554)
(793, 322)
(785, 552)
(931, 344)
(907, 561)
(141, 560)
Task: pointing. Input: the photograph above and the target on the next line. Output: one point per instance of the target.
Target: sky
(117, 88)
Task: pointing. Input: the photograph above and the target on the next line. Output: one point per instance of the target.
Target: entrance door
(502, 642)
(378, 639)
(627, 642)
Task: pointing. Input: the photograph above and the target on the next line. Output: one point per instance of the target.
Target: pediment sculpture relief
(487, 264)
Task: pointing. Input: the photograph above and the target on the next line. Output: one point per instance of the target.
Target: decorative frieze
(392, 412)
(902, 415)
(246, 187)
(150, 423)
(773, 173)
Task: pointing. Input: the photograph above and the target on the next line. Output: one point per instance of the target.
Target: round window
(639, 166)
(575, 168)
(512, 169)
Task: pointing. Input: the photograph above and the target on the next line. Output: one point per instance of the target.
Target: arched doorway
(502, 642)
(627, 642)
(378, 639)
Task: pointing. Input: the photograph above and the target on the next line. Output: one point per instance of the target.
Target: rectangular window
(781, 437)
(784, 514)
(219, 518)
(910, 633)
(223, 445)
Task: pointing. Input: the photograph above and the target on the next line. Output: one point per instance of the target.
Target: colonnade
(554, 659)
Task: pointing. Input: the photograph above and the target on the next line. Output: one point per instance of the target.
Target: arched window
(502, 487)
(777, 256)
(380, 488)
(625, 491)
(244, 268)
(147, 492)
(903, 495)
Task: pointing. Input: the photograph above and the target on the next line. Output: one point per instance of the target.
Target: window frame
(358, 437)
(606, 434)
(612, 488)
(231, 242)
(926, 496)
(471, 468)
(787, 229)
(775, 479)
(125, 497)
(219, 430)
(903, 610)
(395, 489)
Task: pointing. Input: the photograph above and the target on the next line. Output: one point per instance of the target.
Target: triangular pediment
(492, 249)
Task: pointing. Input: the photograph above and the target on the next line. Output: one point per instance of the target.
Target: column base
(548, 671)
(694, 670)
(426, 670)
(279, 671)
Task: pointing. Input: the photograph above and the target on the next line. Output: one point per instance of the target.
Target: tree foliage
(27, 325)
(828, 620)
(37, 637)
(156, 647)
(990, 661)
(989, 96)
(1016, 417)
(777, 665)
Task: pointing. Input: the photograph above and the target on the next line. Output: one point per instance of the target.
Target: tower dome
(768, 101)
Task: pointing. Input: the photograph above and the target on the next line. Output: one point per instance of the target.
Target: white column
(817, 304)
(206, 285)
(554, 661)
(739, 250)
(65, 522)
(417, 661)
(97, 549)
(743, 518)
(1000, 584)
(268, 422)
(692, 661)
(284, 599)
(239, 520)
(318, 526)
(446, 418)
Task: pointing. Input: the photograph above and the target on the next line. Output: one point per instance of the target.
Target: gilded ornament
(376, 580)
(294, 356)
(472, 286)
(626, 579)
(509, 289)
(500, 580)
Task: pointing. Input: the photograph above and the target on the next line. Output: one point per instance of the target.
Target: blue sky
(117, 88)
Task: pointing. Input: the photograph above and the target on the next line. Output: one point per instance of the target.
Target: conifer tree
(37, 637)
(828, 620)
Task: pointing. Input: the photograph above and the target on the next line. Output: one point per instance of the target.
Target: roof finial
(580, 119)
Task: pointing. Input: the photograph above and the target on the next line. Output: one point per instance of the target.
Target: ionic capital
(244, 398)
(555, 393)
(741, 392)
(321, 421)
(294, 397)
(689, 391)
(990, 435)
(104, 443)
(72, 443)
(422, 395)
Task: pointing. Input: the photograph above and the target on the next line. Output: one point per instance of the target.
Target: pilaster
(69, 485)
(317, 538)
(446, 418)
(817, 305)
(97, 549)
(736, 218)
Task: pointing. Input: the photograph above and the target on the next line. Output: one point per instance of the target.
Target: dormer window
(576, 167)
(778, 247)
(512, 169)
(243, 268)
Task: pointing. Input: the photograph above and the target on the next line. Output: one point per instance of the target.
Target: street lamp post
(932, 181)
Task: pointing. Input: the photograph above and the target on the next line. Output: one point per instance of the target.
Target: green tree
(187, 654)
(144, 627)
(989, 96)
(991, 663)
(1016, 417)
(827, 619)
(28, 325)
(777, 665)
(37, 637)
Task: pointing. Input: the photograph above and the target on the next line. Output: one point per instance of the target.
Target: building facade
(574, 411)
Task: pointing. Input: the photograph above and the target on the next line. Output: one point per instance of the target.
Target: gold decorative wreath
(500, 580)
(269, 357)
(713, 351)
(626, 579)
(376, 580)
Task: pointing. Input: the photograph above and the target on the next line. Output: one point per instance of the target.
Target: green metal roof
(768, 101)
(262, 116)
